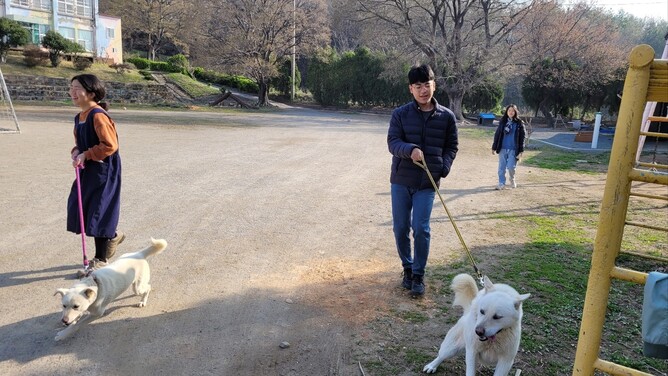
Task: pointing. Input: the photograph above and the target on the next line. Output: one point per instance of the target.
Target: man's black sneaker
(417, 288)
(407, 282)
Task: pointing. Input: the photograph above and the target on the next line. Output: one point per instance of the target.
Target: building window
(37, 32)
(66, 7)
(21, 3)
(78, 8)
(43, 29)
(67, 33)
(41, 4)
(111, 33)
(34, 4)
(85, 39)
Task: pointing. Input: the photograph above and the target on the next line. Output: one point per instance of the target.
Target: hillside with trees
(550, 58)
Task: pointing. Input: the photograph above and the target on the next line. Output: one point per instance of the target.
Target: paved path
(565, 139)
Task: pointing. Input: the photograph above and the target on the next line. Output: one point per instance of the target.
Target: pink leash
(81, 219)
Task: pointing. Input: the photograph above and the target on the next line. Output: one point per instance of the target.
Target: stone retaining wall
(39, 88)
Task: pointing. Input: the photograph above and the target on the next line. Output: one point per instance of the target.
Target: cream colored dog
(88, 299)
(489, 330)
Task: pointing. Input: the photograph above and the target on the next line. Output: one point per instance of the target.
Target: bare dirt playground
(279, 229)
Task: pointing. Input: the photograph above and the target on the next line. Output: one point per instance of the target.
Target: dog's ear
(520, 299)
(62, 292)
(90, 293)
(489, 286)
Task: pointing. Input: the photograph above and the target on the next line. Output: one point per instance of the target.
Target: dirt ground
(279, 229)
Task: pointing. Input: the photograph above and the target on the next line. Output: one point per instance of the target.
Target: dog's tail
(465, 290)
(158, 246)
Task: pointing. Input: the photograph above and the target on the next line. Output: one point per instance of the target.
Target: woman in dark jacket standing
(96, 154)
(509, 144)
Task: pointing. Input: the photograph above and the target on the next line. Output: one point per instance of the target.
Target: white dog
(489, 330)
(88, 299)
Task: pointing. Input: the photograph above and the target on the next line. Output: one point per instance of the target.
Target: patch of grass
(417, 358)
(193, 87)
(16, 66)
(478, 133)
(556, 159)
(553, 265)
(378, 367)
(413, 316)
(549, 157)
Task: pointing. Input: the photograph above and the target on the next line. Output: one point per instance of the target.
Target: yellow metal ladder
(646, 81)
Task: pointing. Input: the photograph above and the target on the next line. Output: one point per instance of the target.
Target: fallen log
(228, 94)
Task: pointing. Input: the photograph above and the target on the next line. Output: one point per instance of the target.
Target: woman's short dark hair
(91, 84)
(420, 73)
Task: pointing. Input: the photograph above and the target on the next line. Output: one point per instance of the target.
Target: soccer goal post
(8, 121)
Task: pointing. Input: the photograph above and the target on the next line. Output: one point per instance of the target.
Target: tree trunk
(148, 50)
(546, 112)
(456, 98)
(263, 94)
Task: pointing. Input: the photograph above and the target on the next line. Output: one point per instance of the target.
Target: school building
(77, 20)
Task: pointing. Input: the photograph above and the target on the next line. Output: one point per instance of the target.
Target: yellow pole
(613, 209)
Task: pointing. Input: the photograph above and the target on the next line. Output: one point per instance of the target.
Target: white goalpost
(8, 121)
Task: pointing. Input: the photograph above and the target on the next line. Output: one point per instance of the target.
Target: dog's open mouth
(490, 338)
(74, 321)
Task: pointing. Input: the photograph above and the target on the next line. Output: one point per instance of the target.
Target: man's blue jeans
(411, 209)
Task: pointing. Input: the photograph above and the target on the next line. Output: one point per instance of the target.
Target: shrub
(172, 65)
(56, 44)
(33, 56)
(121, 67)
(283, 80)
(239, 82)
(179, 64)
(82, 63)
(12, 33)
(161, 66)
(140, 62)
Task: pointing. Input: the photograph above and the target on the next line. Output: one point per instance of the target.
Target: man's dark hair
(420, 73)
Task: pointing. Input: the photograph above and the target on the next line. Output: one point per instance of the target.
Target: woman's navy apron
(100, 186)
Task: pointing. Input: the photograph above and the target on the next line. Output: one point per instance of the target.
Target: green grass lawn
(549, 157)
(16, 66)
(193, 87)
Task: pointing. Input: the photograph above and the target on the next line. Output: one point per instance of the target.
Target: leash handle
(423, 165)
(81, 218)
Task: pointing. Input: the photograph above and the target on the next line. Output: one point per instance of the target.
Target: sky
(640, 8)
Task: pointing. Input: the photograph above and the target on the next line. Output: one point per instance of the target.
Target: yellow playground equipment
(646, 81)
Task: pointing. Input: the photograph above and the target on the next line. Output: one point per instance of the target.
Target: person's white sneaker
(500, 187)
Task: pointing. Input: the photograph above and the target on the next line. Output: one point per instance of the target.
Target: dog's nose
(480, 331)
(64, 320)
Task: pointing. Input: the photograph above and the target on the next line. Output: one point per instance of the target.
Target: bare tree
(582, 35)
(158, 21)
(252, 36)
(463, 40)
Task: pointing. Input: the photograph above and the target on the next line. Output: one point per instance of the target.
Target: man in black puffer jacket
(421, 129)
